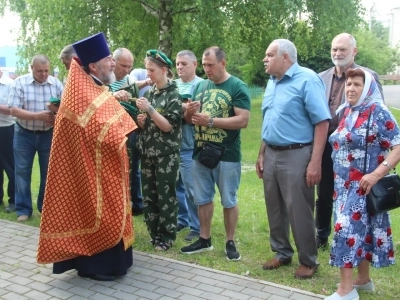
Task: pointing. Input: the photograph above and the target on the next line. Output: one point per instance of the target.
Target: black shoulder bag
(211, 153)
(385, 194)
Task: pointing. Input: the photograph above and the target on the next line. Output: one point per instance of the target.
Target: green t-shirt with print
(219, 101)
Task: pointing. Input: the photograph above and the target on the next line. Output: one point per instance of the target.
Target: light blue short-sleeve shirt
(292, 106)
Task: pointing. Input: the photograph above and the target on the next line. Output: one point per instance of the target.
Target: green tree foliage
(244, 28)
(374, 53)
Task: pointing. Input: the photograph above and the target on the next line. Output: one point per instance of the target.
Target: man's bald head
(123, 62)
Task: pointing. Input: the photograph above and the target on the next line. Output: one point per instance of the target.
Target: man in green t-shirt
(220, 107)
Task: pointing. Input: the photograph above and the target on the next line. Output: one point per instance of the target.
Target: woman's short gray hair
(286, 46)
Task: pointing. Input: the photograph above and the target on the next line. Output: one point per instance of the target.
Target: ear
(223, 62)
(92, 67)
(355, 51)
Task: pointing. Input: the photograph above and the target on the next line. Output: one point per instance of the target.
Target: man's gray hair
(40, 58)
(67, 52)
(120, 52)
(286, 46)
(188, 53)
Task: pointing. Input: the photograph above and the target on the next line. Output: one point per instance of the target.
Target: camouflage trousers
(159, 176)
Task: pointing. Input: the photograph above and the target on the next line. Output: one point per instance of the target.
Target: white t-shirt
(5, 87)
(138, 75)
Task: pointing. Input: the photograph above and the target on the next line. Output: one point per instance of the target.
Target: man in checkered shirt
(28, 100)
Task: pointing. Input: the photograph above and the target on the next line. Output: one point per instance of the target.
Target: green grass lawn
(252, 236)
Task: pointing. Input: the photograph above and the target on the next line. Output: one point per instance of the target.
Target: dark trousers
(7, 162)
(324, 203)
(134, 162)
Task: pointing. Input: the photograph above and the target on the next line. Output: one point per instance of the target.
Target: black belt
(289, 147)
(34, 131)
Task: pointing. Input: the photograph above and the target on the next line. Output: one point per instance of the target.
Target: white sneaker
(353, 295)
(366, 287)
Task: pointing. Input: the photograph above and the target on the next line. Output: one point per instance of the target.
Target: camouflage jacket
(152, 141)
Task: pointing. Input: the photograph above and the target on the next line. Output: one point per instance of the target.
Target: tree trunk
(165, 27)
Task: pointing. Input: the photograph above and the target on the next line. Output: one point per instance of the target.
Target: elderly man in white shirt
(6, 150)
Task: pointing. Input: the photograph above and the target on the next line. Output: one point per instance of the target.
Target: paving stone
(20, 280)
(23, 272)
(277, 291)
(37, 295)
(98, 296)
(77, 290)
(166, 284)
(212, 296)
(189, 291)
(180, 267)
(183, 274)
(13, 296)
(143, 294)
(59, 293)
(163, 276)
(41, 278)
(235, 295)
(256, 293)
(229, 286)
(124, 296)
(125, 288)
(61, 284)
(4, 283)
(101, 289)
(6, 275)
(17, 288)
(186, 282)
(170, 293)
(151, 277)
(203, 279)
(139, 270)
(209, 288)
(42, 287)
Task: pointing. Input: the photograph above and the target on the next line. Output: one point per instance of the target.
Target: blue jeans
(7, 162)
(26, 144)
(187, 210)
(136, 189)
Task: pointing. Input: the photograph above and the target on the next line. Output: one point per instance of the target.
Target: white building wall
(394, 29)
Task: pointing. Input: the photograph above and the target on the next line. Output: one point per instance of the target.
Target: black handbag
(211, 154)
(385, 194)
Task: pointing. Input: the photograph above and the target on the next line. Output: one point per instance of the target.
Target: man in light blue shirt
(186, 63)
(294, 130)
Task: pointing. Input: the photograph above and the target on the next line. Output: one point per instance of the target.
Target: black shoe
(198, 246)
(99, 277)
(137, 212)
(231, 252)
(10, 208)
(322, 243)
(191, 236)
(179, 227)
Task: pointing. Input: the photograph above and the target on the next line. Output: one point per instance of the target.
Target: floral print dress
(359, 235)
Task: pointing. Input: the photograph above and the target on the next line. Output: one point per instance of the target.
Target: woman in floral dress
(360, 238)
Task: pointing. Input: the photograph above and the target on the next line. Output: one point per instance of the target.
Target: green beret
(160, 56)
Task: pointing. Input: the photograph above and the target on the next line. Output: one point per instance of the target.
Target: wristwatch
(386, 164)
(210, 123)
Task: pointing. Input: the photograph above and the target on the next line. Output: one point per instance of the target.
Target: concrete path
(151, 277)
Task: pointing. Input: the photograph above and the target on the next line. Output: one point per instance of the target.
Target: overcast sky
(9, 24)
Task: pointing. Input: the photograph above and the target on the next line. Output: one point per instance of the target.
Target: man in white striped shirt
(28, 101)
